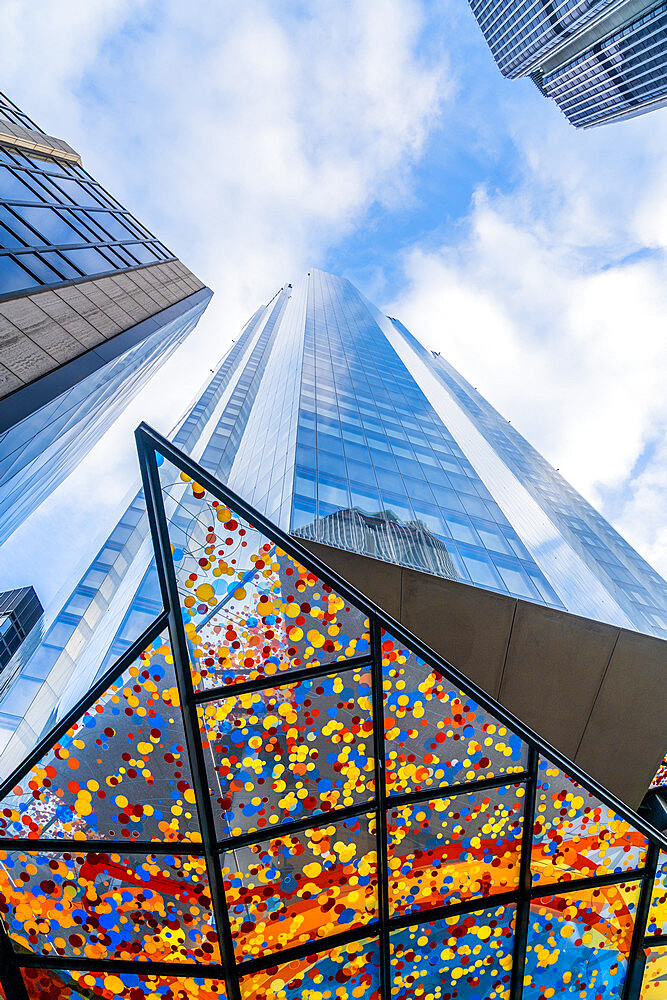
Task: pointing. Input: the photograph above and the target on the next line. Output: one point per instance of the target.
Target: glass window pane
(447, 850)
(578, 942)
(436, 734)
(285, 752)
(348, 973)
(302, 887)
(61, 984)
(461, 958)
(575, 835)
(120, 772)
(655, 973)
(250, 609)
(657, 916)
(101, 905)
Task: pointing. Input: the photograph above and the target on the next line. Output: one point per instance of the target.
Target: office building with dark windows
(338, 425)
(600, 61)
(91, 304)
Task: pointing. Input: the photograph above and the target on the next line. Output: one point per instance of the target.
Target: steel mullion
(317, 948)
(162, 545)
(635, 968)
(152, 439)
(381, 811)
(282, 679)
(479, 904)
(313, 821)
(655, 941)
(522, 916)
(120, 965)
(449, 791)
(74, 715)
(582, 884)
(44, 844)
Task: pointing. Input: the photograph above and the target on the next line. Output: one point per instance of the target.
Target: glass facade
(278, 793)
(333, 420)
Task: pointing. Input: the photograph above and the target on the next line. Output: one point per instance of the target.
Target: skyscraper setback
(332, 419)
(91, 305)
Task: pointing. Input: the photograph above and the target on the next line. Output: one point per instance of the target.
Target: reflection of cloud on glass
(383, 535)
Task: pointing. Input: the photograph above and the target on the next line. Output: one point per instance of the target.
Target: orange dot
(73, 763)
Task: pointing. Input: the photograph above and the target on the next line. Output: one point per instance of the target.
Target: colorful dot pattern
(657, 914)
(578, 943)
(655, 974)
(436, 734)
(109, 906)
(120, 772)
(577, 836)
(295, 889)
(274, 615)
(56, 985)
(282, 753)
(448, 850)
(349, 973)
(296, 752)
(661, 774)
(460, 958)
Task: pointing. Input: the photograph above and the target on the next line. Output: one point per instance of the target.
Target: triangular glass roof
(278, 793)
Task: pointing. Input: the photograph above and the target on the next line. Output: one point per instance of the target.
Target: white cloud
(250, 137)
(548, 302)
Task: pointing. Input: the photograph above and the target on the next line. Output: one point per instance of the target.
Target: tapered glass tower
(334, 421)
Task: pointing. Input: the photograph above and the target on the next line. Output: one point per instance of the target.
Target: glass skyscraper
(600, 61)
(332, 420)
(91, 304)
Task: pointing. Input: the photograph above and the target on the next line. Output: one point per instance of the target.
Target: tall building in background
(600, 61)
(331, 419)
(91, 304)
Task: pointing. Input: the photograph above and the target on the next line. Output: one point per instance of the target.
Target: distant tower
(600, 62)
(91, 304)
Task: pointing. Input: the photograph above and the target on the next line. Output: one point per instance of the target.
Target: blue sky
(376, 139)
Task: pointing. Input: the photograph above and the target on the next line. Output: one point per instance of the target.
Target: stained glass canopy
(278, 793)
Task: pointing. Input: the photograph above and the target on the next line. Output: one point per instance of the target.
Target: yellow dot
(204, 592)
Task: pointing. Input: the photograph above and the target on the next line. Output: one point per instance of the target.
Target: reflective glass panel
(59, 984)
(657, 914)
(120, 772)
(284, 752)
(578, 942)
(436, 734)
(576, 835)
(446, 850)
(655, 974)
(250, 609)
(301, 887)
(461, 958)
(108, 905)
(347, 973)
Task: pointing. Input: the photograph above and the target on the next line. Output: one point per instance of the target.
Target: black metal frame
(149, 444)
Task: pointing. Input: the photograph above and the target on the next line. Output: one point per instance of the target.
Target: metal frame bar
(231, 969)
